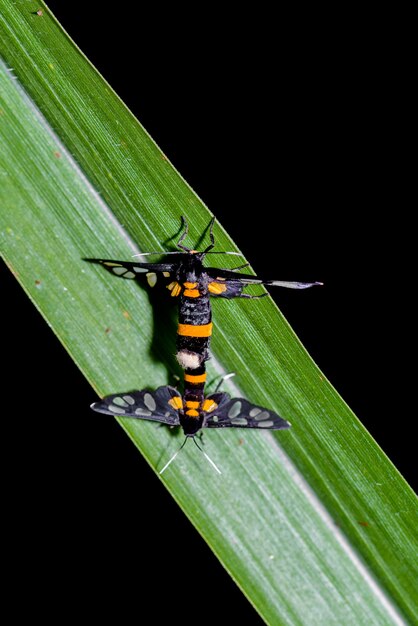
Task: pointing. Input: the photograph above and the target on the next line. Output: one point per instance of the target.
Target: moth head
(192, 265)
(191, 421)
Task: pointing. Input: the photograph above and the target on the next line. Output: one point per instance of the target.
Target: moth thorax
(189, 360)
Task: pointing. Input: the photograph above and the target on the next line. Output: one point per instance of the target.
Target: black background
(261, 117)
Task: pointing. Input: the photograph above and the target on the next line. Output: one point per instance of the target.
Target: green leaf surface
(81, 178)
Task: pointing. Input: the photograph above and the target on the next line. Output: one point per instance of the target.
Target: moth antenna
(208, 457)
(173, 457)
(160, 252)
(225, 252)
(212, 238)
(240, 267)
(211, 462)
(225, 377)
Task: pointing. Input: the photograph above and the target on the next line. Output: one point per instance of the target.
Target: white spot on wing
(255, 411)
(149, 402)
(129, 399)
(116, 409)
(129, 275)
(119, 270)
(266, 424)
(119, 401)
(151, 278)
(263, 415)
(235, 410)
(139, 269)
(142, 412)
(239, 421)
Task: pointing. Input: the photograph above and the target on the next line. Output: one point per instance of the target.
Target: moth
(193, 284)
(168, 406)
(192, 411)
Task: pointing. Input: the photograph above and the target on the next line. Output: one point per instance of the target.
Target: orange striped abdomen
(194, 330)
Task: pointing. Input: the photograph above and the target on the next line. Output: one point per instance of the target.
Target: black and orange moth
(188, 279)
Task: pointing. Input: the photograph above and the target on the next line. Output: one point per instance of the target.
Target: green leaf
(80, 175)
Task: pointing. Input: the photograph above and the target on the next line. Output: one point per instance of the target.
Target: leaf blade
(93, 303)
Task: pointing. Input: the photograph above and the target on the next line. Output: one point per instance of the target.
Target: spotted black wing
(158, 406)
(131, 270)
(230, 284)
(224, 412)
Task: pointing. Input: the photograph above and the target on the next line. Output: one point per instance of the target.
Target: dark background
(261, 116)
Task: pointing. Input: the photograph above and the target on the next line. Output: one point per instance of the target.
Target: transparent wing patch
(127, 269)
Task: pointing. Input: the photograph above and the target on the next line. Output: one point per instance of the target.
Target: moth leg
(177, 379)
(183, 235)
(240, 267)
(211, 236)
(234, 269)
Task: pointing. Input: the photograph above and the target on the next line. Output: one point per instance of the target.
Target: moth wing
(239, 413)
(127, 269)
(157, 406)
(235, 281)
(222, 286)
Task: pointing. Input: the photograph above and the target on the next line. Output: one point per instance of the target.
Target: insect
(192, 410)
(193, 283)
